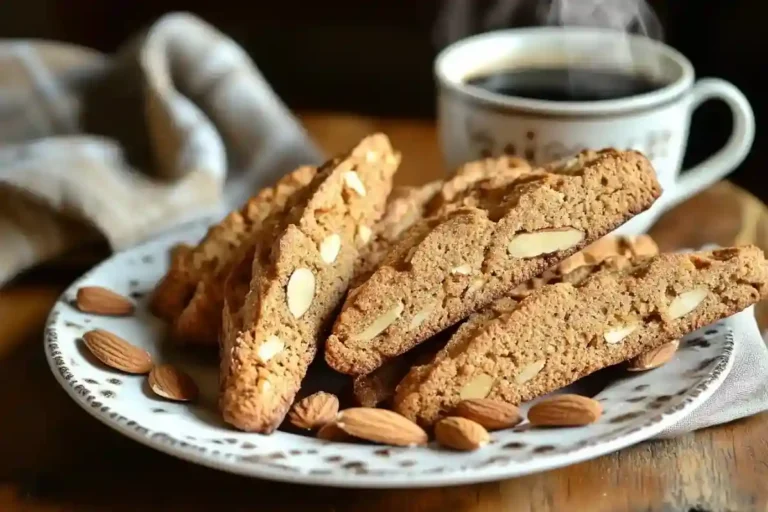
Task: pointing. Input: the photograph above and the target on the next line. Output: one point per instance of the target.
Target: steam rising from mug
(462, 18)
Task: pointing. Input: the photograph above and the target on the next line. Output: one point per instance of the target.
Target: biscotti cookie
(564, 331)
(576, 268)
(608, 252)
(498, 169)
(298, 279)
(190, 295)
(479, 247)
(405, 206)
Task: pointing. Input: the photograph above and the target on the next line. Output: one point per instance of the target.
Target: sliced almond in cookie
(565, 411)
(617, 334)
(686, 302)
(103, 301)
(530, 245)
(461, 434)
(114, 351)
(329, 248)
(381, 323)
(300, 291)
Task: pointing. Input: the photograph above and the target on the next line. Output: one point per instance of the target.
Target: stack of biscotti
(491, 283)
(480, 245)
(609, 252)
(563, 331)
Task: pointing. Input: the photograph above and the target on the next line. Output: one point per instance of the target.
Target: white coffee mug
(475, 122)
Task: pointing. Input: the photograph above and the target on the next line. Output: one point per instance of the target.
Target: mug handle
(729, 156)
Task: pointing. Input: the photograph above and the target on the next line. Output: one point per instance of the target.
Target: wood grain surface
(55, 457)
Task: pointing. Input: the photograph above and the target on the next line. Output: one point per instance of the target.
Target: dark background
(375, 57)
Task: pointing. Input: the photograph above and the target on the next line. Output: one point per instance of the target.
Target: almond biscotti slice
(576, 268)
(299, 275)
(609, 252)
(479, 247)
(564, 331)
(190, 295)
(405, 206)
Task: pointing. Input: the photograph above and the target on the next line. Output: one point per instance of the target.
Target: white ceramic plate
(637, 406)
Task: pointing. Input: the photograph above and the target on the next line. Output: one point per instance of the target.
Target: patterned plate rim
(665, 417)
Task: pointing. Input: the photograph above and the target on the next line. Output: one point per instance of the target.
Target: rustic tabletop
(55, 457)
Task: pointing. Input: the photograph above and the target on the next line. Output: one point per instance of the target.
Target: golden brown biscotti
(609, 252)
(190, 296)
(498, 170)
(299, 275)
(405, 206)
(576, 268)
(564, 331)
(479, 247)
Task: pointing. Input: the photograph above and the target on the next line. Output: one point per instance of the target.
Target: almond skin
(381, 426)
(103, 301)
(314, 411)
(461, 434)
(117, 353)
(491, 414)
(653, 358)
(565, 411)
(169, 382)
(332, 432)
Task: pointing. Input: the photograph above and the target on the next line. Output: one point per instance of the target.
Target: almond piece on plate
(653, 358)
(169, 382)
(314, 411)
(565, 411)
(103, 301)
(381, 426)
(491, 414)
(461, 434)
(117, 353)
(332, 432)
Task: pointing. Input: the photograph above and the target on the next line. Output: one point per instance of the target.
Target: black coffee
(566, 84)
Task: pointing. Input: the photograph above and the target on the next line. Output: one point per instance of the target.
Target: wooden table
(54, 457)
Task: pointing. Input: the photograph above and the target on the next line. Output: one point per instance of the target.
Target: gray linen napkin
(181, 124)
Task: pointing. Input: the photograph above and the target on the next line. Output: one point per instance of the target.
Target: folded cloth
(178, 124)
(744, 391)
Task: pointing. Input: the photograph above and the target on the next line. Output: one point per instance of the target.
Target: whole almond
(117, 353)
(169, 382)
(314, 411)
(332, 432)
(653, 358)
(565, 411)
(103, 301)
(491, 414)
(381, 426)
(461, 434)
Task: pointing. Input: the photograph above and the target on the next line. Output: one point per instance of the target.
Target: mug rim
(668, 93)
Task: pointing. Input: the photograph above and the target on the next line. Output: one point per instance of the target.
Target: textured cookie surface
(609, 252)
(190, 296)
(493, 235)
(564, 331)
(405, 206)
(300, 271)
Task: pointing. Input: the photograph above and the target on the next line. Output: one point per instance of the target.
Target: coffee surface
(566, 84)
